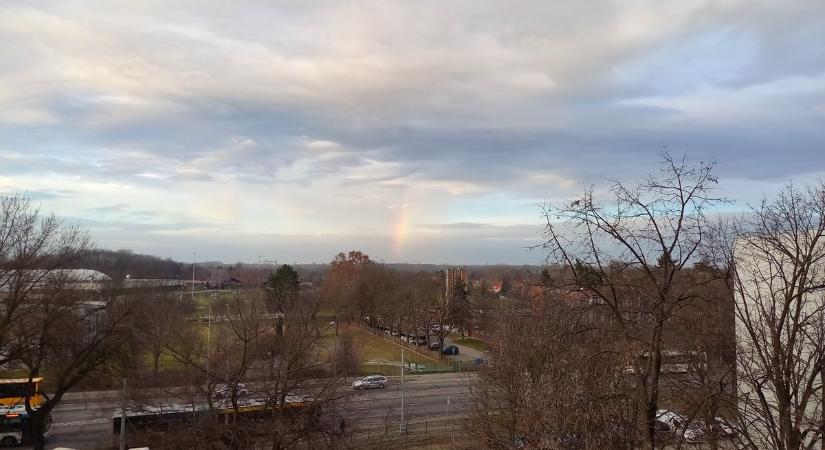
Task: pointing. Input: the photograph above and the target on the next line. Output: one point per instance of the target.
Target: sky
(424, 131)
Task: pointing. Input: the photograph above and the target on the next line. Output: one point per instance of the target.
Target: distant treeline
(119, 263)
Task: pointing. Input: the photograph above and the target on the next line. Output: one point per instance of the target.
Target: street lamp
(267, 262)
(209, 337)
(402, 427)
(193, 276)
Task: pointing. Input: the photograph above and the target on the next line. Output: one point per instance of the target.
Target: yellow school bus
(15, 421)
(13, 392)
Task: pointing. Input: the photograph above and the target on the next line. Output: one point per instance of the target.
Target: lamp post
(123, 416)
(446, 413)
(208, 339)
(267, 262)
(193, 275)
(402, 427)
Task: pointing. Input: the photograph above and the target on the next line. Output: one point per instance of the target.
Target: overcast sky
(419, 131)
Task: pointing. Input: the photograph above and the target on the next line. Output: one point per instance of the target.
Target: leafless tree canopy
(776, 255)
(554, 382)
(52, 323)
(632, 251)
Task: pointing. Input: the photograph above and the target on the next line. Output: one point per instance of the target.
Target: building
(39, 279)
(453, 276)
(86, 292)
(780, 303)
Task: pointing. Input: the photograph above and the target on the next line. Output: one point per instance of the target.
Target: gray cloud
(315, 117)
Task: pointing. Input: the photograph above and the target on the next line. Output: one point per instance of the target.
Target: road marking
(75, 423)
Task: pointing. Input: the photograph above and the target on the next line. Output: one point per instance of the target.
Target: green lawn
(202, 302)
(475, 344)
(377, 355)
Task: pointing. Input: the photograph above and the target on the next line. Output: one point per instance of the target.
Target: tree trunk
(822, 419)
(155, 363)
(38, 422)
(652, 400)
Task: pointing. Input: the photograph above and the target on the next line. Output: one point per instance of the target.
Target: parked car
(434, 345)
(395, 332)
(371, 382)
(696, 432)
(450, 350)
(225, 390)
(672, 419)
(421, 340)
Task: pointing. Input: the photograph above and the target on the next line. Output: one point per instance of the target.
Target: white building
(779, 317)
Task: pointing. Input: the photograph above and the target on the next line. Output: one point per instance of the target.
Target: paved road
(467, 353)
(425, 398)
(85, 423)
(82, 425)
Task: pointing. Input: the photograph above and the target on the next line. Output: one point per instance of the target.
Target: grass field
(375, 354)
(202, 301)
(475, 344)
(378, 355)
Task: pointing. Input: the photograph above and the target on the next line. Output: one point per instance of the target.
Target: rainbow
(401, 229)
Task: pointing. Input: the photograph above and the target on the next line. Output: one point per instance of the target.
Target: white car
(672, 419)
(371, 382)
(696, 432)
(10, 438)
(225, 390)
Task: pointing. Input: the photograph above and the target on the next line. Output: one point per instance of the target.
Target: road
(425, 398)
(466, 353)
(84, 422)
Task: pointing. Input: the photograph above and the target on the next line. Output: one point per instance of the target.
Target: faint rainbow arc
(401, 230)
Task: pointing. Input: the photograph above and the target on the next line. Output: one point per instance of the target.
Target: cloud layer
(298, 129)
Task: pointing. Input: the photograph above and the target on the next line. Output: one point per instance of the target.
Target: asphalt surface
(84, 421)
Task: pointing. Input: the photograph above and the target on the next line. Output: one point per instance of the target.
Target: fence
(418, 434)
(439, 366)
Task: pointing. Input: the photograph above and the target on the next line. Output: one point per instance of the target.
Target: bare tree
(284, 366)
(638, 242)
(54, 322)
(156, 322)
(460, 309)
(340, 282)
(558, 386)
(702, 366)
(776, 255)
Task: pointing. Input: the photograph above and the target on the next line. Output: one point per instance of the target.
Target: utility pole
(446, 413)
(402, 427)
(452, 429)
(208, 338)
(123, 416)
(193, 276)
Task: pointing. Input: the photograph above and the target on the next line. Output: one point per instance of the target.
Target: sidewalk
(90, 396)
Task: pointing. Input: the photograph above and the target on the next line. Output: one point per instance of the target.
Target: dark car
(450, 350)
(434, 345)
